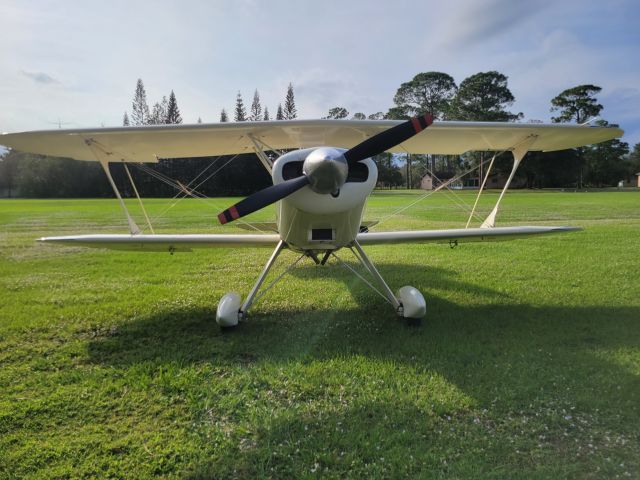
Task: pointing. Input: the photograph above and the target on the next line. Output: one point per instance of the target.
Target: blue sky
(78, 61)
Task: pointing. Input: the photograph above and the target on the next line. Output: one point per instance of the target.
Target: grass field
(527, 365)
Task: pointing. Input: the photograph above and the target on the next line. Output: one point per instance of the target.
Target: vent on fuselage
(322, 234)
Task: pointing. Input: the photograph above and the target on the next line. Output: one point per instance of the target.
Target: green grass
(527, 365)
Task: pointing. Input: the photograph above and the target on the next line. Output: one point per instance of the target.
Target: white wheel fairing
(413, 303)
(228, 312)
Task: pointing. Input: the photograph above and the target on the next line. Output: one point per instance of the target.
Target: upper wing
(458, 235)
(149, 143)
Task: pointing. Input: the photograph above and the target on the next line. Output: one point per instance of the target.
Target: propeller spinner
(325, 169)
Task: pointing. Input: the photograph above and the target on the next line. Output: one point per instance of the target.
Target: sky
(76, 63)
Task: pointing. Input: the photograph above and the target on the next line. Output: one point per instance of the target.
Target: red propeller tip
(420, 123)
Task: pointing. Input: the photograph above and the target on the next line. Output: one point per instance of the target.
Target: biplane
(321, 183)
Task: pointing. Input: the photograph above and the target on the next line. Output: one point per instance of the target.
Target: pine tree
(223, 116)
(240, 113)
(199, 120)
(125, 120)
(266, 114)
(173, 112)
(159, 112)
(140, 108)
(256, 108)
(290, 111)
(279, 114)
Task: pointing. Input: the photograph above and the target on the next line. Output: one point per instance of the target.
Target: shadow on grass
(514, 351)
(504, 356)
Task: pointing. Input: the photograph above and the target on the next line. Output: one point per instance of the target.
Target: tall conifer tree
(240, 113)
(256, 108)
(279, 114)
(140, 107)
(125, 120)
(173, 112)
(290, 111)
(223, 116)
(266, 114)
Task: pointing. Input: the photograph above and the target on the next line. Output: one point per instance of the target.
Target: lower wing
(185, 243)
(458, 235)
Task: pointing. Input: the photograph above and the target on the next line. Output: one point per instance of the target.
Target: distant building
(495, 180)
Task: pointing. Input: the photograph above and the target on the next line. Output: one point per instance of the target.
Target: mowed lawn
(527, 365)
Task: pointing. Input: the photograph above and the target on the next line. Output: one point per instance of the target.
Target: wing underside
(186, 243)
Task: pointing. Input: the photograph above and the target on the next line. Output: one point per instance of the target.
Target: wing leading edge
(186, 243)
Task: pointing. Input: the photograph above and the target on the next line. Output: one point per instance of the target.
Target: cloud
(478, 22)
(41, 78)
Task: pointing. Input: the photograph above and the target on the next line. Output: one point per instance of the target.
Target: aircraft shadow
(500, 354)
(482, 349)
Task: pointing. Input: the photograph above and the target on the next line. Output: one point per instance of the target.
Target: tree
(376, 116)
(338, 113)
(266, 114)
(359, 116)
(279, 113)
(577, 103)
(427, 92)
(159, 112)
(199, 120)
(240, 113)
(173, 112)
(634, 159)
(401, 113)
(140, 108)
(397, 113)
(606, 162)
(8, 172)
(223, 116)
(290, 111)
(256, 108)
(125, 120)
(483, 97)
(388, 173)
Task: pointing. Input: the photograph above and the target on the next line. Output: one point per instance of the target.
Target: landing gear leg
(230, 310)
(409, 302)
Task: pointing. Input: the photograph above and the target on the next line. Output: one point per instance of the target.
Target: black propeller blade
(371, 146)
(262, 198)
(387, 139)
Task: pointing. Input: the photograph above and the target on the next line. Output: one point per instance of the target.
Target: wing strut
(103, 157)
(484, 181)
(260, 147)
(519, 151)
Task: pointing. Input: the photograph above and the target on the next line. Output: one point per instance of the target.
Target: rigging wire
(361, 277)
(185, 191)
(428, 194)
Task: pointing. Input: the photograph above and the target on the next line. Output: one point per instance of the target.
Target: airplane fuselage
(310, 221)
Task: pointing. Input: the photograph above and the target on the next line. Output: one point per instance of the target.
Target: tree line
(484, 96)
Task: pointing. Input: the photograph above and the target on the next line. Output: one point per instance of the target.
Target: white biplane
(320, 190)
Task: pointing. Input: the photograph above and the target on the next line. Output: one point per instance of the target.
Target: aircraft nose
(326, 169)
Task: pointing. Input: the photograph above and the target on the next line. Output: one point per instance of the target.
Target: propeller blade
(389, 138)
(262, 198)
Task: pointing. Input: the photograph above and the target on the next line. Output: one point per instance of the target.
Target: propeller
(325, 169)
